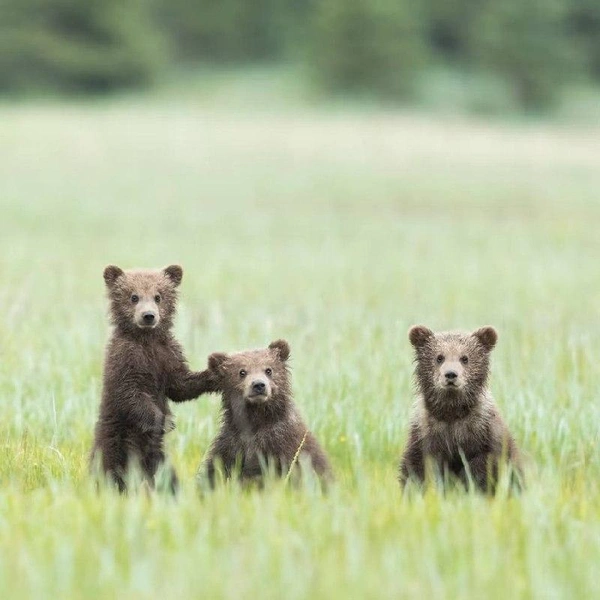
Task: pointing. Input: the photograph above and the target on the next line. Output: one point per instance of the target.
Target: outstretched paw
(169, 423)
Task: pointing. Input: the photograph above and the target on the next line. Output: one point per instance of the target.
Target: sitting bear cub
(260, 423)
(456, 428)
(144, 366)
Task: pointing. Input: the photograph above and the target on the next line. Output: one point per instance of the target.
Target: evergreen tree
(372, 46)
(526, 42)
(78, 45)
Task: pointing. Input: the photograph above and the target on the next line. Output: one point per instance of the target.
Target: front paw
(158, 424)
(169, 423)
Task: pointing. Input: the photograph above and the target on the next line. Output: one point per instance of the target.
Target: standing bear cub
(456, 429)
(144, 366)
(261, 427)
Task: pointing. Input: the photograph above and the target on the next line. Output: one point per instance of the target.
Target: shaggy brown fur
(144, 365)
(260, 423)
(456, 428)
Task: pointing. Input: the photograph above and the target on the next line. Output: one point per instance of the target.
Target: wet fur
(143, 369)
(457, 433)
(269, 433)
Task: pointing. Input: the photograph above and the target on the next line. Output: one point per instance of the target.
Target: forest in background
(527, 52)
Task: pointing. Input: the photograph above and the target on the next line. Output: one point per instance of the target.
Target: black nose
(148, 317)
(258, 387)
(451, 375)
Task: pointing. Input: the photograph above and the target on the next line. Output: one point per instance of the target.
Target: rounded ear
(111, 274)
(216, 360)
(419, 335)
(487, 337)
(174, 273)
(282, 347)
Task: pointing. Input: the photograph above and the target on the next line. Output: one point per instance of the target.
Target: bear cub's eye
(440, 359)
(157, 298)
(243, 373)
(269, 372)
(135, 298)
(464, 360)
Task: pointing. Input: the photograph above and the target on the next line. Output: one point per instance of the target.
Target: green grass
(336, 229)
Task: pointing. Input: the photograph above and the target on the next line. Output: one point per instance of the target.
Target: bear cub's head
(257, 377)
(142, 300)
(452, 363)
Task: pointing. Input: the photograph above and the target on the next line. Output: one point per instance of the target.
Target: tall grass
(336, 230)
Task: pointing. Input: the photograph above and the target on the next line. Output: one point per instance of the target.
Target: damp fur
(144, 368)
(261, 427)
(456, 431)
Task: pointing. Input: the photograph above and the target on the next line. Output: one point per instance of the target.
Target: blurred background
(329, 172)
(483, 56)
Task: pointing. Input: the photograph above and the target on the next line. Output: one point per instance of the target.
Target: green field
(335, 228)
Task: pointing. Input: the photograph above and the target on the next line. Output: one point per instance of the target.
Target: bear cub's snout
(258, 388)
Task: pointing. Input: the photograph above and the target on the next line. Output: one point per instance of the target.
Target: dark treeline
(375, 47)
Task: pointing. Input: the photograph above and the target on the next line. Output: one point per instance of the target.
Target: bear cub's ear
(419, 335)
(216, 360)
(282, 347)
(174, 273)
(111, 274)
(487, 337)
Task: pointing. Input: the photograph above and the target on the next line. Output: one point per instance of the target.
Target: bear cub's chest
(453, 438)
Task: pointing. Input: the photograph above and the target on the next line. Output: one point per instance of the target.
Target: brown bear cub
(144, 366)
(261, 427)
(456, 429)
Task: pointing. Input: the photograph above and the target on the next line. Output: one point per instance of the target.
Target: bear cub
(144, 367)
(261, 427)
(456, 428)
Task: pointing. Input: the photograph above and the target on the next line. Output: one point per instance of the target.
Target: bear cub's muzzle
(258, 391)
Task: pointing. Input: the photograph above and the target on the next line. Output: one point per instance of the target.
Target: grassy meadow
(336, 228)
